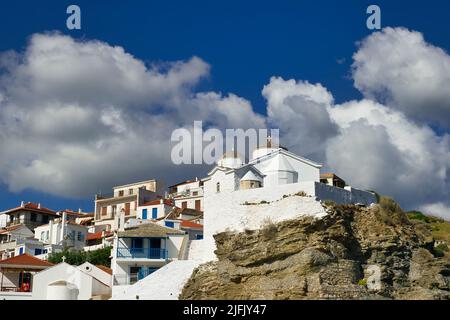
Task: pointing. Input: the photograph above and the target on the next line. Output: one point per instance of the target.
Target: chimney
(79, 210)
(161, 201)
(39, 205)
(22, 204)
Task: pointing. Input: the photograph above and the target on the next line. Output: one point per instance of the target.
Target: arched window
(218, 187)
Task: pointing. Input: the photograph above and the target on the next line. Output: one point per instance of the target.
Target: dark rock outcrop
(352, 253)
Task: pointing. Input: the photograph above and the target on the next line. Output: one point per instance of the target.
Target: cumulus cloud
(438, 209)
(299, 109)
(398, 67)
(77, 117)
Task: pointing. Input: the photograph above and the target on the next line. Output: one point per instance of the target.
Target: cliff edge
(351, 253)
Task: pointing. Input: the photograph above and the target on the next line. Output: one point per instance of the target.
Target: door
(127, 209)
(134, 274)
(154, 213)
(20, 251)
(197, 205)
(155, 248)
(144, 214)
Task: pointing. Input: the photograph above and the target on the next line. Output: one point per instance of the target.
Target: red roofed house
(30, 214)
(16, 276)
(188, 194)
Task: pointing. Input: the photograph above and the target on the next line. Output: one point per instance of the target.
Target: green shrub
(76, 257)
(362, 282)
(440, 250)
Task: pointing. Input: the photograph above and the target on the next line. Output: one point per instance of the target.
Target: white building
(155, 209)
(275, 184)
(66, 282)
(142, 249)
(63, 233)
(188, 194)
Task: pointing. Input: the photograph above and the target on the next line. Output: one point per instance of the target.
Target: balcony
(142, 253)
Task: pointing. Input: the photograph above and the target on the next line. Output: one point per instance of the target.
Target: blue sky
(244, 42)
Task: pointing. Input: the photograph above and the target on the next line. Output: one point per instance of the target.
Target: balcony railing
(142, 253)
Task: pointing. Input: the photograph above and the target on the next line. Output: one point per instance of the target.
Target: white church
(274, 185)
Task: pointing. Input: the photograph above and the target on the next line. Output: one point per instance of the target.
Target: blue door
(144, 214)
(21, 251)
(154, 213)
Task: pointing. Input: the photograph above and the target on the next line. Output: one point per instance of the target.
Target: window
(42, 235)
(154, 213)
(198, 205)
(37, 251)
(184, 205)
(218, 187)
(130, 192)
(47, 235)
(169, 224)
(104, 212)
(114, 210)
(144, 214)
(80, 236)
(45, 251)
(45, 219)
(199, 237)
(33, 217)
(195, 193)
(121, 193)
(127, 209)
(72, 235)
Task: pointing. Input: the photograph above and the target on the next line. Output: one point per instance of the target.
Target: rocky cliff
(352, 253)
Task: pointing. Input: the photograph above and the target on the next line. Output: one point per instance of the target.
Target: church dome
(231, 159)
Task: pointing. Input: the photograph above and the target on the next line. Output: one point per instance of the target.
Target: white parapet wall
(250, 209)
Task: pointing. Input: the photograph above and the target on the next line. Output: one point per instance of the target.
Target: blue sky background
(245, 42)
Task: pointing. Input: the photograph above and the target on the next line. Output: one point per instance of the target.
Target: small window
(218, 187)
(42, 235)
(184, 205)
(33, 217)
(114, 209)
(130, 192)
(80, 236)
(169, 224)
(195, 193)
(37, 251)
(121, 193)
(104, 212)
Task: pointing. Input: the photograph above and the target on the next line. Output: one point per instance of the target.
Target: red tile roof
(26, 260)
(167, 202)
(32, 207)
(97, 235)
(104, 268)
(10, 228)
(190, 224)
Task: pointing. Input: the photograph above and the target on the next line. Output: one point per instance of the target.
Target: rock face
(352, 253)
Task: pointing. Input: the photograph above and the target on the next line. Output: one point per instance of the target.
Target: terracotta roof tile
(26, 260)
(104, 268)
(190, 224)
(167, 202)
(32, 207)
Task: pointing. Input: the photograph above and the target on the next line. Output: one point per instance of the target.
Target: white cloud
(398, 67)
(438, 209)
(299, 109)
(77, 117)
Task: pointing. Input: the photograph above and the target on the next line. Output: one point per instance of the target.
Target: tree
(76, 257)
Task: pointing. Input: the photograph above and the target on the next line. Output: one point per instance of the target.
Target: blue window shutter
(154, 213)
(169, 224)
(144, 214)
